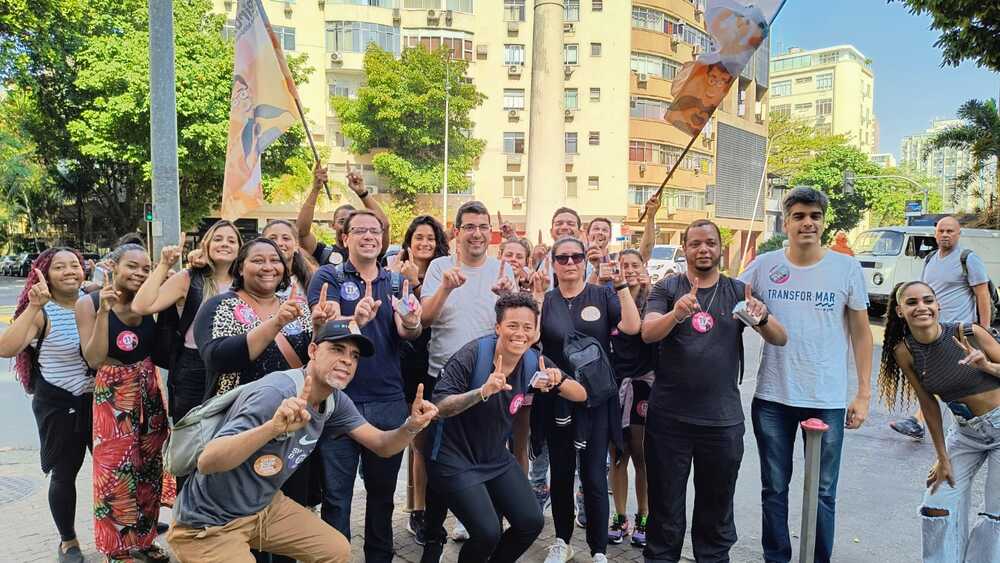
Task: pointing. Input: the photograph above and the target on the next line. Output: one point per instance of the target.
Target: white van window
(879, 243)
(664, 252)
(920, 246)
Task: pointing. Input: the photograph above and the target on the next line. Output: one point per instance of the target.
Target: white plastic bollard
(814, 429)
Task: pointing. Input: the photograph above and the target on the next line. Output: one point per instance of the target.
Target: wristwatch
(558, 385)
(621, 287)
(763, 320)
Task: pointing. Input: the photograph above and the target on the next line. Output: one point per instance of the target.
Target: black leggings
(62, 489)
(593, 476)
(479, 508)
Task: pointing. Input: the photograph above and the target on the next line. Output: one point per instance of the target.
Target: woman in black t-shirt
(595, 311)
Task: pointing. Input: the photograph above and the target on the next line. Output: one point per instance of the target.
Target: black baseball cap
(333, 331)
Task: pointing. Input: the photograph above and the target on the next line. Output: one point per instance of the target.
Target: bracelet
(482, 395)
(621, 287)
(411, 328)
(558, 385)
(408, 431)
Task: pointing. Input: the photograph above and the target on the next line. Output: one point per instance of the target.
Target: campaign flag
(262, 107)
(738, 28)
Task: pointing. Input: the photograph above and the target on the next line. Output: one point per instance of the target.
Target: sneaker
(71, 555)
(459, 533)
(600, 558)
(618, 530)
(908, 427)
(415, 525)
(639, 534)
(542, 496)
(559, 552)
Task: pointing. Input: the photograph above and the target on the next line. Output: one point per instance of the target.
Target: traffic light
(148, 209)
(849, 182)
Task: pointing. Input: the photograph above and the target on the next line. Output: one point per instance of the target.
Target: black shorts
(640, 401)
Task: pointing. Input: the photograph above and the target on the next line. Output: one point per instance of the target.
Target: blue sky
(911, 87)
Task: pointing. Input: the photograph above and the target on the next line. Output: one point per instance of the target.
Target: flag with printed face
(737, 28)
(262, 107)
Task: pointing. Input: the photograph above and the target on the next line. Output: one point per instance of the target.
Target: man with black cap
(233, 501)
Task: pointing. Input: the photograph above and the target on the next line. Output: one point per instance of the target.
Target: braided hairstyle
(24, 359)
(893, 389)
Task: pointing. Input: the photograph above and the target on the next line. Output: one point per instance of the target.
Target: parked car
(24, 264)
(666, 259)
(7, 263)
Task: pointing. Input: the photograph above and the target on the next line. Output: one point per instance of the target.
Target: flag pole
(312, 145)
(670, 174)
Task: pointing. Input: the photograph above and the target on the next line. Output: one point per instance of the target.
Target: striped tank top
(938, 370)
(60, 360)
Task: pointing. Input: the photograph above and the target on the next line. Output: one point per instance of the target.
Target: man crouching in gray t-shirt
(233, 502)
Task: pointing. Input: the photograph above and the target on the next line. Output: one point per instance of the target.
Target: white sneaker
(459, 533)
(559, 552)
(600, 558)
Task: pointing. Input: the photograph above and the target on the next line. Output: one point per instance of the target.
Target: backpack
(35, 370)
(189, 436)
(588, 361)
(991, 288)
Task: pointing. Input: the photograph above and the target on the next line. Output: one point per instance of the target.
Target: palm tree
(980, 136)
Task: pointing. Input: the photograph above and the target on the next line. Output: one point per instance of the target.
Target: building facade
(946, 164)
(619, 59)
(884, 159)
(832, 88)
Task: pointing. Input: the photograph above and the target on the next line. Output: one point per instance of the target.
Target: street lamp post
(166, 225)
(447, 118)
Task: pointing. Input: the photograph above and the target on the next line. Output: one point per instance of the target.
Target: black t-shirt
(473, 444)
(697, 373)
(324, 254)
(630, 356)
(595, 311)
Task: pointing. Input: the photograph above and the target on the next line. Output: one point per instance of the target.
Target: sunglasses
(564, 259)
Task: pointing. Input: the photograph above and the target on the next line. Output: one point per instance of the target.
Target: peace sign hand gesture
(39, 294)
(497, 380)
(688, 304)
(973, 356)
(367, 308)
(291, 415)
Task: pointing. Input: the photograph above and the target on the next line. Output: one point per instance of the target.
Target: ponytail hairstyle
(209, 289)
(893, 389)
(24, 358)
(301, 267)
(640, 298)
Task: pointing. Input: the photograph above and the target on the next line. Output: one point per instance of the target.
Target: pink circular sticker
(641, 408)
(244, 314)
(702, 322)
(516, 402)
(127, 341)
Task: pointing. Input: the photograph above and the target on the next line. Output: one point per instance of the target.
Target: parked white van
(890, 255)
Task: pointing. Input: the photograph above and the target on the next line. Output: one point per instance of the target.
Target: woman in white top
(49, 365)
(302, 267)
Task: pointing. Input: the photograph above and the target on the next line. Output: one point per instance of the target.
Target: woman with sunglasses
(595, 311)
(961, 365)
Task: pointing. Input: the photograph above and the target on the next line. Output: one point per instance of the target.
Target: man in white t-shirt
(821, 299)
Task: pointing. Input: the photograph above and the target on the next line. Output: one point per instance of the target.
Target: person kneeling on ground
(233, 501)
(469, 467)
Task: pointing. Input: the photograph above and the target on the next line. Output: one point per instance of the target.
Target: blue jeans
(775, 426)
(340, 466)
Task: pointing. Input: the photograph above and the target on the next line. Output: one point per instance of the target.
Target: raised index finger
(694, 288)
(748, 292)
(322, 295)
(41, 276)
(306, 389)
(368, 289)
(541, 363)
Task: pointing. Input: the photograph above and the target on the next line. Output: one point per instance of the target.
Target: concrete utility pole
(546, 165)
(166, 224)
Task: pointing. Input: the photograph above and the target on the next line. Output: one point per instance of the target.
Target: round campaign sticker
(516, 403)
(779, 274)
(702, 322)
(590, 314)
(350, 291)
(641, 408)
(244, 314)
(336, 258)
(267, 465)
(127, 340)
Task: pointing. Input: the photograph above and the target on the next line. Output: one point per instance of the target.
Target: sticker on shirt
(244, 314)
(590, 314)
(336, 258)
(268, 465)
(350, 291)
(127, 341)
(702, 322)
(641, 407)
(515, 403)
(779, 274)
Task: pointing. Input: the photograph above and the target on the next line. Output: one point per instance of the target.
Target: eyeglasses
(470, 228)
(362, 230)
(563, 259)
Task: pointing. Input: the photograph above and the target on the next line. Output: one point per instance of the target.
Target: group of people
(537, 373)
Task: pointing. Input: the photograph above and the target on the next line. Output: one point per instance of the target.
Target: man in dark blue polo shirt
(370, 295)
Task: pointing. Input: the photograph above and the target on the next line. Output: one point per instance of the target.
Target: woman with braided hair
(57, 377)
(960, 364)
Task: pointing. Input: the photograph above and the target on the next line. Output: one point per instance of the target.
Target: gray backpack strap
(298, 377)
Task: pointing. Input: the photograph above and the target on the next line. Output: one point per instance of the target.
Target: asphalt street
(881, 478)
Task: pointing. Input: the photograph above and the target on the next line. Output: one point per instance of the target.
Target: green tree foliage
(794, 143)
(401, 110)
(969, 29)
(774, 243)
(887, 198)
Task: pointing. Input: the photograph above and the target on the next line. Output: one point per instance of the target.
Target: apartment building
(945, 165)
(619, 59)
(832, 88)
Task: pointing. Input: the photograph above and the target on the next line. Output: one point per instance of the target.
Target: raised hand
(755, 307)
(412, 318)
(355, 181)
(507, 231)
(454, 278)
(291, 415)
(409, 270)
(325, 310)
(497, 381)
(169, 255)
(503, 285)
(197, 259)
(367, 308)
(540, 278)
(615, 271)
(320, 175)
(421, 413)
(644, 280)
(652, 206)
(290, 310)
(973, 356)
(553, 377)
(688, 304)
(39, 294)
(594, 255)
(109, 295)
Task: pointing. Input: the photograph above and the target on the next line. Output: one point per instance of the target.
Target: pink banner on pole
(263, 106)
